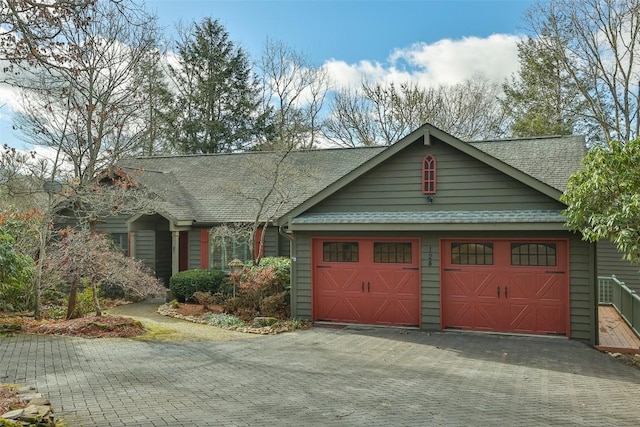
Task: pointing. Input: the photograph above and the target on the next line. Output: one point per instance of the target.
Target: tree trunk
(96, 302)
(73, 296)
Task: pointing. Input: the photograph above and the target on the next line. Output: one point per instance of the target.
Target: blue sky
(430, 42)
(348, 30)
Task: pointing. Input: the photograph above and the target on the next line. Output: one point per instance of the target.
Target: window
(392, 252)
(472, 253)
(429, 174)
(536, 254)
(121, 240)
(340, 252)
(226, 248)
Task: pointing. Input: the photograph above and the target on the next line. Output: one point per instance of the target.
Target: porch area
(618, 317)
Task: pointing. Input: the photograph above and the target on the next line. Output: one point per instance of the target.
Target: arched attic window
(429, 174)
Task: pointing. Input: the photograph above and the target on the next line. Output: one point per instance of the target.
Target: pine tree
(218, 101)
(540, 99)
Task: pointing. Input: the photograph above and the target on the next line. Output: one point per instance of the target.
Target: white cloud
(446, 61)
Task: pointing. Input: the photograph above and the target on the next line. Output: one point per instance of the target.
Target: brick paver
(342, 377)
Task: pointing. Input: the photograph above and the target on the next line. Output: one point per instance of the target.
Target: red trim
(183, 253)
(429, 174)
(204, 249)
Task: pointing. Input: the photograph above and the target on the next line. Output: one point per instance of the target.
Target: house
(431, 232)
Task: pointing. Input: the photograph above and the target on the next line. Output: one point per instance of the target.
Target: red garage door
(372, 281)
(507, 286)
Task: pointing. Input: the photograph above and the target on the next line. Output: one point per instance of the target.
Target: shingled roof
(220, 188)
(551, 159)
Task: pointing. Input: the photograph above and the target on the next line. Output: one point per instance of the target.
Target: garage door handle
(498, 291)
(363, 286)
(506, 292)
(368, 287)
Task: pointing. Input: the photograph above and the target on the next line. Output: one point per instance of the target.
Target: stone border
(36, 413)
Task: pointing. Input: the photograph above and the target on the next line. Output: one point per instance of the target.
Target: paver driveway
(351, 377)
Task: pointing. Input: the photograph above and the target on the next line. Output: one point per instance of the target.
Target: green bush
(16, 273)
(185, 283)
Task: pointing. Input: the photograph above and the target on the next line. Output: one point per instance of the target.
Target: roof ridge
(239, 153)
(525, 138)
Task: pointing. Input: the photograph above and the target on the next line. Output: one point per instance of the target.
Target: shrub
(223, 320)
(186, 283)
(275, 305)
(16, 272)
(84, 300)
(264, 288)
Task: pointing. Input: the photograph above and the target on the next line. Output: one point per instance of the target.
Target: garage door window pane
(535, 254)
(392, 252)
(340, 251)
(472, 253)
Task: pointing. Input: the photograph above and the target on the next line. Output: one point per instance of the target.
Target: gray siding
(271, 242)
(582, 312)
(463, 183)
(163, 255)
(113, 224)
(611, 263)
(582, 293)
(194, 249)
(146, 248)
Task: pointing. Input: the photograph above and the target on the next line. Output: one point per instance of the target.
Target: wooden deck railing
(626, 301)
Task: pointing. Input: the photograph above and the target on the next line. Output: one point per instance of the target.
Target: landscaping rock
(13, 415)
(261, 322)
(37, 413)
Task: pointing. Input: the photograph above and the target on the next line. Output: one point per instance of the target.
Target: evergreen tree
(218, 98)
(540, 99)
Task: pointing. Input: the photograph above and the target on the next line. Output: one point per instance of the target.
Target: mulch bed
(87, 327)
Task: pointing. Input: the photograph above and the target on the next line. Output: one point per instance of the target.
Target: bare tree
(296, 91)
(30, 29)
(267, 195)
(382, 114)
(83, 255)
(89, 105)
(597, 43)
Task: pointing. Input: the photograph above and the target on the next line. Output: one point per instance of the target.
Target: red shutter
(204, 249)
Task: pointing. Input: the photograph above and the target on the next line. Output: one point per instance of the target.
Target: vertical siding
(463, 183)
(610, 262)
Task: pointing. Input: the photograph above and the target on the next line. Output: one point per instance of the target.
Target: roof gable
(426, 134)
